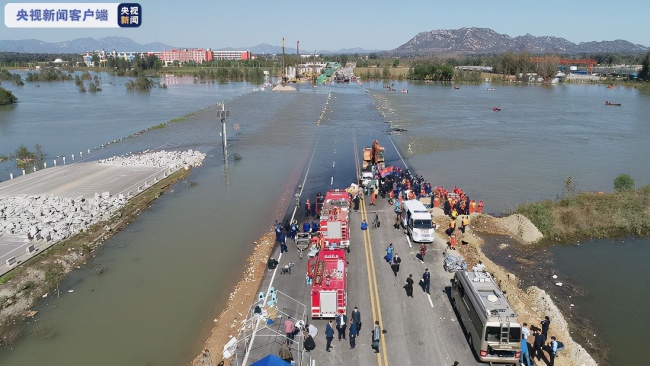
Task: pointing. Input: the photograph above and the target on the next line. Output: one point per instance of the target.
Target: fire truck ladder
(340, 297)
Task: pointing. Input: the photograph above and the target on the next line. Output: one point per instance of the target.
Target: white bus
(493, 331)
(417, 221)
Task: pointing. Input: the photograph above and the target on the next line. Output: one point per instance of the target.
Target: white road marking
(332, 181)
(333, 163)
(428, 295)
(409, 240)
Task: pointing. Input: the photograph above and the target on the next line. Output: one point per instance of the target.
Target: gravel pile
(148, 158)
(52, 218)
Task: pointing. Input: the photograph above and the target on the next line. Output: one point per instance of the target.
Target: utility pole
(283, 70)
(223, 113)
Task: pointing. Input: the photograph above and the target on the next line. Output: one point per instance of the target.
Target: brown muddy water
(168, 273)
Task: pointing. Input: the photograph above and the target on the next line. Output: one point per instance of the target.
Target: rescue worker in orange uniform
(479, 208)
(307, 208)
(452, 242)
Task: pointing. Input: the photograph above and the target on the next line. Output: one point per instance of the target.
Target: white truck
(417, 221)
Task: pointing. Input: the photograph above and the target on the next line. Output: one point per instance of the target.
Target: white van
(417, 221)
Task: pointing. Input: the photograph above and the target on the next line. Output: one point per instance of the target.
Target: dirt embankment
(21, 288)
(245, 293)
(531, 304)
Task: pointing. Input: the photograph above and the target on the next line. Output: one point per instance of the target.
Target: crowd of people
(396, 185)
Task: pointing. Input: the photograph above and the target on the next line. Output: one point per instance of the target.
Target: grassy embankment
(591, 215)
(377, 72)
(26, 284)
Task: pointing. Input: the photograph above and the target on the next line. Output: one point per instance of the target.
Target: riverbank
(591, 215)
(531, 304)
(21, 288)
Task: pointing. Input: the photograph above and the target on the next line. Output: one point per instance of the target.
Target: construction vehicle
(335, 218)
(373, 156)
(327, 274)
(373, 162)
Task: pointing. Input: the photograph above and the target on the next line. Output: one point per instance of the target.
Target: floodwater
(155, 302)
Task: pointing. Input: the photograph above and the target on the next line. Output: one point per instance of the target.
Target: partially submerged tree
(6, 97)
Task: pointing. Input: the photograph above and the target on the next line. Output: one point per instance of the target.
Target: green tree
(95, 59)
(6, 97)
(644, 74)
(395, 62)
(623, 182)
(24, 157)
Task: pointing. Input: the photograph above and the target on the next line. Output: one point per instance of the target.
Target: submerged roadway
(422, 330)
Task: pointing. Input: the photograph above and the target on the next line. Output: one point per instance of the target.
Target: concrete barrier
(30, 249)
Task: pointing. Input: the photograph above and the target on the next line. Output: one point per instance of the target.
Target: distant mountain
(80, 45)
(485, 40)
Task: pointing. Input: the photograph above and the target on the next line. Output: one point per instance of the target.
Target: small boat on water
(405, 91)
(496, 109)
(610, 86)
(490, 89)
(456, 87)
(607, 102)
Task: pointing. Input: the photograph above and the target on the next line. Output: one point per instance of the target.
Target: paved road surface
(420, 331)
(71, 181)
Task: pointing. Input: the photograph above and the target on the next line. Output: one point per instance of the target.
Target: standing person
(389, 253)
(341, 324)
(289, 329)
(464, 224)
(545, 324)
(524, 329)
(376, 334)
(329, 336)
(354, 331)
(538, 344)
(426, 280)
(552, 351)
(283, 243)
(373, 196)
(409, 285)
(395, 265)
(423, 252)
(524, 358)
(356, 317)
(451, 228)
(306, 227)
(307, 208)
(356, 200)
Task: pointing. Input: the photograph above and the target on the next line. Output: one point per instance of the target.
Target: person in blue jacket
(329, 335)
(524, 358)
(314, 226)
(306, 227)
(364, 225)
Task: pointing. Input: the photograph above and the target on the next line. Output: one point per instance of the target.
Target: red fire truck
(327, 273)
(335, 219)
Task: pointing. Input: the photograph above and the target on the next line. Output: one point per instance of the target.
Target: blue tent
(271, 360)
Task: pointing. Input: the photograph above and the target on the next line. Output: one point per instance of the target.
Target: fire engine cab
(327, 273)
(335, 218)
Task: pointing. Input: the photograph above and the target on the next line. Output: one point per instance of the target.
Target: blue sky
(380, 24)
